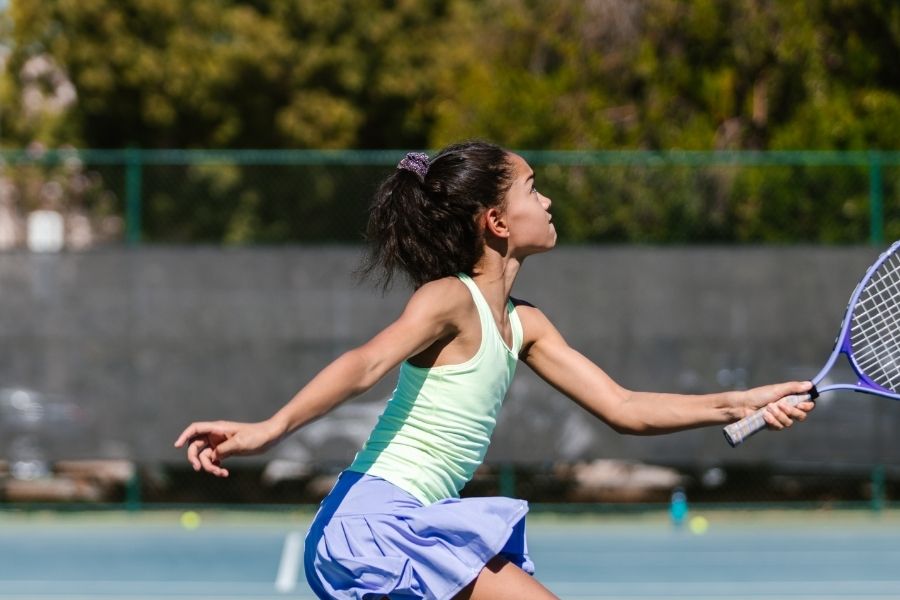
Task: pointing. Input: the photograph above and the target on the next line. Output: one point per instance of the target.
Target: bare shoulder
(535, 323)
(446, 297)
(518, 302)
(527, 310)
(441, 308)
(449, 288)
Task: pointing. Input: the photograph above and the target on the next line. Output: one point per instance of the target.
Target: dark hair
(428, 227)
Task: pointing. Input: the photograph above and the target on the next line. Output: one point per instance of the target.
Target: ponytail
(423, 220)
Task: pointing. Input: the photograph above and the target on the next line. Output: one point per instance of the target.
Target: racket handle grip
(739, 431)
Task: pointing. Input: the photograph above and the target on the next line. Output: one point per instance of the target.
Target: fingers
(782, 414)
(187, 434)
(790, 388)
(805, 407)
(211, 464)
(203, 441)
(203, 456)
(193, 453)
(201, 428)
(226, 448)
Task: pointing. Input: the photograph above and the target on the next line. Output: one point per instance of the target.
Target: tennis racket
(869, 337)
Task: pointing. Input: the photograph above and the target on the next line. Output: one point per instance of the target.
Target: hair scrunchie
(415, 162)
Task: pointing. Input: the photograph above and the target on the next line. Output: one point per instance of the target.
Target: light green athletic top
(435, 429)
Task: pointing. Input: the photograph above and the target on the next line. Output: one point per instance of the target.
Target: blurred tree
(218, 73)
(692, 74)
(6, 88)
(530, 74)
(695, 74)
(230, 73)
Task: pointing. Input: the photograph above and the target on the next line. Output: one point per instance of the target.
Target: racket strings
(874, 351)
(874, 322)
(875, 327)
(874, 334)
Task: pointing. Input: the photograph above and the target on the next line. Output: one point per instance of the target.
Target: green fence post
(876, 200)
(878, 488)
(133, 491)
(508, 481)
(133, 174)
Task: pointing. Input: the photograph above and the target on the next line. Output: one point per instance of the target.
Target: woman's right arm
(432, 313)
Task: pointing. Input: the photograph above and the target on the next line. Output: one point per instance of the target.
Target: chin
(550, 246)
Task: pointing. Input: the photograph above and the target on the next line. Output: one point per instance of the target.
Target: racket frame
(739, 431)
(843, 343)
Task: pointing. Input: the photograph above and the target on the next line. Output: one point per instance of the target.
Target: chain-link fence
(277, 197)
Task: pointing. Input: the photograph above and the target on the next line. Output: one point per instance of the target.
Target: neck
(495, 276)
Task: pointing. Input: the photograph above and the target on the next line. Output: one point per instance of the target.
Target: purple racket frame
(737, 432)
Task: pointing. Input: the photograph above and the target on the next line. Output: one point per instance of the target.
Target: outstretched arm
(432, 314)
(644, 413)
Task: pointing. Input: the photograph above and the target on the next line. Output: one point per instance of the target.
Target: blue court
(796, 555)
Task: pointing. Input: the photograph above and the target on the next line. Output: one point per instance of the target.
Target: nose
(546, 202)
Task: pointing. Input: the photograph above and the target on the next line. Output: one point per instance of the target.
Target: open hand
(208, 443)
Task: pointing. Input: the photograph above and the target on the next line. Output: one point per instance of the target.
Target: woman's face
(527, 213)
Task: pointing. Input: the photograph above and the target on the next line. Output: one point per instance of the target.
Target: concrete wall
(121, 348)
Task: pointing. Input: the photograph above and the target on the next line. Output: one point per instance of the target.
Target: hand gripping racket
(869, 337)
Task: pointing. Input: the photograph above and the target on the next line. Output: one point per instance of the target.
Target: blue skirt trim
(370, 539)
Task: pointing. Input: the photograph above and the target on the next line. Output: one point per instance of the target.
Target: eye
(534, 189)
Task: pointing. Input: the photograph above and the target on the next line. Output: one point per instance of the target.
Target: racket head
(870, 332)
(869, 337)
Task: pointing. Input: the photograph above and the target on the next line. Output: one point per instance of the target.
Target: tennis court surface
(796, 555)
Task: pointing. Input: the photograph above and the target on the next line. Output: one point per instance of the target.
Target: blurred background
(183, 193)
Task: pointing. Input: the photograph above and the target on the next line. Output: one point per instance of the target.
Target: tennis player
(459, 226)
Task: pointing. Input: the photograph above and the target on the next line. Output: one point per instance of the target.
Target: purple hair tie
(415, 162)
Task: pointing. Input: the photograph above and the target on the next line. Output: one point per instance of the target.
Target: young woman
(459, 227)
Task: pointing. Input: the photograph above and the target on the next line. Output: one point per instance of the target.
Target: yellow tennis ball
(190, 520)
(699, 525)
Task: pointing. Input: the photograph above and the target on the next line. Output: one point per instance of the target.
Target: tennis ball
(190, 520)
(698, 525)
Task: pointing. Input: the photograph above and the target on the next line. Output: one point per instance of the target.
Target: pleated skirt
(370, 540)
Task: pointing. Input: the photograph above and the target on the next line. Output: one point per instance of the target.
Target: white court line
(286, 580)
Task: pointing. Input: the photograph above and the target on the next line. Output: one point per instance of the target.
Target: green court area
(219, 554)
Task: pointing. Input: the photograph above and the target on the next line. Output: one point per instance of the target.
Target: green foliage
(684, 74)
(694, 74)
(216, 73)
(616, 74)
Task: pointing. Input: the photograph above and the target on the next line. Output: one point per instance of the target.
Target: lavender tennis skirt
(371, 540)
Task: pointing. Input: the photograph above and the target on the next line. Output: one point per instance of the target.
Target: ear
(495, 222)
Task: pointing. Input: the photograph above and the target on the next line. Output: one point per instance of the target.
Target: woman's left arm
(644, 413)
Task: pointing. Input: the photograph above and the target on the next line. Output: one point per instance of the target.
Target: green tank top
(435, 429)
